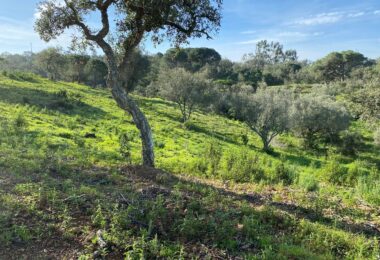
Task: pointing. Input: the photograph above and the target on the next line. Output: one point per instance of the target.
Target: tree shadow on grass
(300, 212)
(295, 159)
(48, 100)
(152, 185)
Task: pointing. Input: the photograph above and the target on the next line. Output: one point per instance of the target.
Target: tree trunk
(266, 147)
(128, 104)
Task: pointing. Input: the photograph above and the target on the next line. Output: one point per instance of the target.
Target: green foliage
(188, 91)
(213, 155)
(266, 113)
(335, 172)
(318, 117)
(59, 184)
(98, 218)
(308, 181)
(339, 65)
(281, 173)
(350, 143)
(20, 121)
(368, 187)
(125, 146)
(192, 59)
(241, 166)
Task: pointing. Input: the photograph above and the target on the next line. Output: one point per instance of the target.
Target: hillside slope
(68, 187)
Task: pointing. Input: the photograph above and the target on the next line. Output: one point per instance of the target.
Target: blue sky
(314, 27)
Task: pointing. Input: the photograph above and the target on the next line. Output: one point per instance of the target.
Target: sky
(314, 27)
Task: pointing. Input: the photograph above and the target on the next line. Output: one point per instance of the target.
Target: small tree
(76, 64)
(51, 62)
(318, 116)
(266, 113)
(187, 90)
(96, 72)
(134, 21)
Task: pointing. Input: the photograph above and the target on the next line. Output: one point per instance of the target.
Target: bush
(214, 155)
(308, 182)
(241, 166)
(335, 173)
(350, 142)
(125, 146)
(317, 117)
(281, 173)
(20, 121)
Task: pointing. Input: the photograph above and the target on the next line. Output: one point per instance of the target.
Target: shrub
(281, 173)
(335, 173)
(214, 154)
(318, 117)
(125, 146)
(20, 121)
(350, 142)
(241, 166)
(308, 182)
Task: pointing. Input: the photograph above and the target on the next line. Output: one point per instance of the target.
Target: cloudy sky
(314, 27)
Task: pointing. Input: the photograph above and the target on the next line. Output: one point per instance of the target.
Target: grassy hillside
(68, 187)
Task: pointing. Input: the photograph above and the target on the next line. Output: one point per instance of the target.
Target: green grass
(67, 183)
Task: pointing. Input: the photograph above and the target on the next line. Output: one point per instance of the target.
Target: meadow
(70, 184)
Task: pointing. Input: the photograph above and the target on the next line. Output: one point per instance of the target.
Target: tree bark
(128, 104)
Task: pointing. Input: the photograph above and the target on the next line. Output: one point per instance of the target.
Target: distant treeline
(270, 65)
(200, 78)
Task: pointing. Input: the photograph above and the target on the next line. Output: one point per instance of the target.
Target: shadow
(47, 100)
(295, 159)
(160, 203)
(370, 159)
(312, 215)
(171, 117)
(191, 126)
(221, 137)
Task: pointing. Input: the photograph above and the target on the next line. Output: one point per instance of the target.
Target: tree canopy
(134, 20)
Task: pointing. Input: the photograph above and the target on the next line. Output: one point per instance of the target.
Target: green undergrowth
(64, 148)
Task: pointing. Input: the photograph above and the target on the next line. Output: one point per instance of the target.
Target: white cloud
(323, 18)
(329, 18)
(376, 12)
(283, 37)
(358, 14)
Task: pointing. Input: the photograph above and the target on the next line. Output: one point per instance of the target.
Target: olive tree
(266, 113)
(132, 21)
(315, 116)
(50, 62)
(96, 72)
(186, 89)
